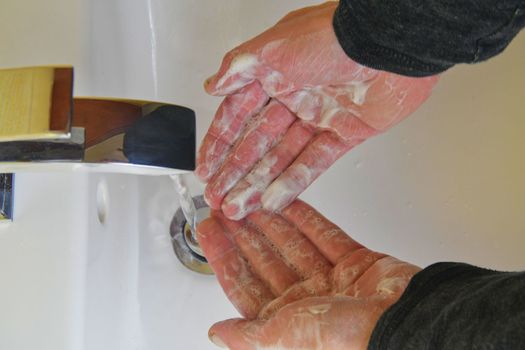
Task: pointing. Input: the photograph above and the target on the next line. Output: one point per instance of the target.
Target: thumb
(237, 70)
(236, 333)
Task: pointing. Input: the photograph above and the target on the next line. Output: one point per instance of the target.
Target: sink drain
(185, 245)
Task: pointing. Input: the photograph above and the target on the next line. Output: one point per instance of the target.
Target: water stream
(186, 202)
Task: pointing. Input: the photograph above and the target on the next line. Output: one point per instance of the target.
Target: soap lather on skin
(245, 197)
(239, 73)
(260, 136)
(227, 126)
(314, 80)
(298, 280)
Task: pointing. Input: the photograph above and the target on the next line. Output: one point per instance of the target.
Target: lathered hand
(294, 104)
(298, 280)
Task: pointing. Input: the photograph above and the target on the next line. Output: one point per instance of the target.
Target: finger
(350, 268)
(291, 243)
(237, 70)
(329, 239)
(245, 290)
(263, 259)
(236, 334)
(317, 157)
(245, 197)
(327, 322)
(316, 286)
(229, 121)
(269, 127)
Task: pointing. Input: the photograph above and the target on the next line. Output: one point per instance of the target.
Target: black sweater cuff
(456, 306)
(422, 38)
(352, 33)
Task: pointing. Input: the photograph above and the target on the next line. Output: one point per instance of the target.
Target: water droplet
(358, 164)
(410, 205)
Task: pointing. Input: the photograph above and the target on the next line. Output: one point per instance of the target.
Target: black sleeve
(456, 306)
(426, 37)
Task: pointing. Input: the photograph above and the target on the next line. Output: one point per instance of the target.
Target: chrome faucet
(44, 128)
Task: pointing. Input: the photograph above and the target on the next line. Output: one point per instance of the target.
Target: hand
(298, 280)
(294, 104)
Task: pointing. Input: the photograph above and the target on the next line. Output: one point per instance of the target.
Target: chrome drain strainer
(185, 244)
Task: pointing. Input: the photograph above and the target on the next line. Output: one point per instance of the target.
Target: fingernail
(230, 210)
(202, 173)
(209, 80)
(214, 338)
(203, 228)
(209, 197)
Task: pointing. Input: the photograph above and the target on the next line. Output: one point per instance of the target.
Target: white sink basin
(70, 281)
(446, 184)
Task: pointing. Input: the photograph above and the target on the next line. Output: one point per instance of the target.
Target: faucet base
(185, 245)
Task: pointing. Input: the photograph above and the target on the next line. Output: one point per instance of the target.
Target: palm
(294, 104)
(290, 274)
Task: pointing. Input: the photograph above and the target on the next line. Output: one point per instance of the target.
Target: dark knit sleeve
(422, 38)
(456, 306)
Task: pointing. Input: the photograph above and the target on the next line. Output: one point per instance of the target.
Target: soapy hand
(295, 103)
(298, 280)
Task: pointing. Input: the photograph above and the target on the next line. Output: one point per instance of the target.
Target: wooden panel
(25, 101)
(62, 100)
